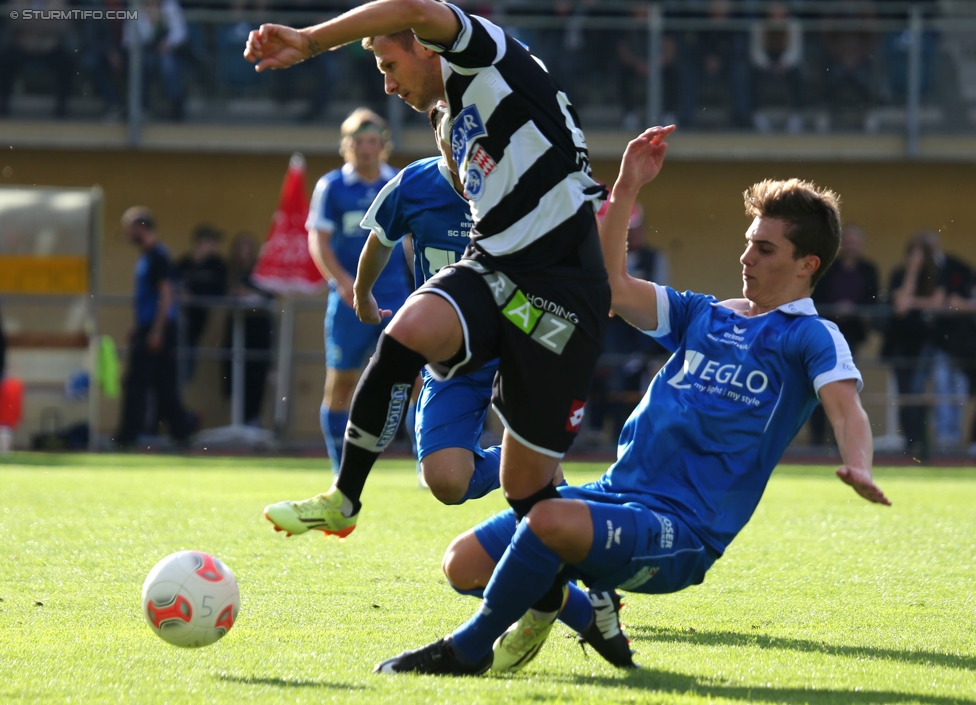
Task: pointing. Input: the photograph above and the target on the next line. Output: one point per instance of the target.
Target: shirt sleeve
(318, 216)
(384, 216)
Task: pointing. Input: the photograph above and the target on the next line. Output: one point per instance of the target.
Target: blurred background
(105, 105)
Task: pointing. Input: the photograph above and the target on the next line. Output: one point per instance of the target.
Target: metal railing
(881, 395)
(912, 69)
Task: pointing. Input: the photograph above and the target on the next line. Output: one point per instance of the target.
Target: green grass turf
(822, 599)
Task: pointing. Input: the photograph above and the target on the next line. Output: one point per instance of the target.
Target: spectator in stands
(234, 75)
(963, 350)
(848, 59)
(201, 272)
(162, 32)
(714, 66)
(47, 43)
(896, 46)
(559, 41)
(257, 322)
(634, 69)
(102, 58)
(844, 295)
(949, 383)
(776, 55)
(914, 294)
(152, 343)
(628, 354)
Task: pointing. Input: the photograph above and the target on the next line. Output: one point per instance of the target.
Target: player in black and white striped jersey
(532, 288)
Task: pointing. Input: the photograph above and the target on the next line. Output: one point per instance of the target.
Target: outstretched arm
(853, 432)
(372, 260)
(274, 46)
(633, 299)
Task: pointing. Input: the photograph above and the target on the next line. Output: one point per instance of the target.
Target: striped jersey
(518, 145)
(717, 418)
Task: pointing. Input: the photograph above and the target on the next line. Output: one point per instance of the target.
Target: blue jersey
(421, 201)
(153, 266)
(339, 201)
(718, 416)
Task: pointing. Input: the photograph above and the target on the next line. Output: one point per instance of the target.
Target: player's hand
(275, 46)
(368, 311)
(643, 158)
(862, 482)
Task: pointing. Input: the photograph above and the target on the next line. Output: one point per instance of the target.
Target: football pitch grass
(823, 598)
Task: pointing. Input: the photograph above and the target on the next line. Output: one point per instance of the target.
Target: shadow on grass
(285, 683)
(925, 658)
(666, 683)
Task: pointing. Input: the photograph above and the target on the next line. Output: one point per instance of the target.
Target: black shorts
(546, 328)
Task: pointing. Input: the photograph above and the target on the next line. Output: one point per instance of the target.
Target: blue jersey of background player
(335, 240)
(425, 202)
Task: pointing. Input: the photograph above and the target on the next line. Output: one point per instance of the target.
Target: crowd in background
(741, 64)
(795, 65)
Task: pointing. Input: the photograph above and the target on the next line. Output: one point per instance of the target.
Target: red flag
(284, 265)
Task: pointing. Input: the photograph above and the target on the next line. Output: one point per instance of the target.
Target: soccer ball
(190, 599)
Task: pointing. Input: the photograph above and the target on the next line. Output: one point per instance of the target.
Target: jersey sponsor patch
(480, 167)
(467, 127)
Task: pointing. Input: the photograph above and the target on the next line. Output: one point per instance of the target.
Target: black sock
(552, 601)
(378, 404)
(522, 506)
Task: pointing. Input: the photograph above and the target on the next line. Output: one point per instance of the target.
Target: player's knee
(465, 564)
(546, 522)
(445, 486)
(448, 474)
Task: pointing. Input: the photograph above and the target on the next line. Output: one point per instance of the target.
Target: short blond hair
(138, 215)
(363, 119)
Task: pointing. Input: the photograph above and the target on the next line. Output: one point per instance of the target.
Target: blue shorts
(635, 548)
(348, 341)
(451, 413)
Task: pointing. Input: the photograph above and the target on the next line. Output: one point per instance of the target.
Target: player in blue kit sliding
(335, 240)
(694, 458)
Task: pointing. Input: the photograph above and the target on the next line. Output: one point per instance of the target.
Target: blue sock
(485, 477)
(525, 573)
(333, 425)
(577, 613)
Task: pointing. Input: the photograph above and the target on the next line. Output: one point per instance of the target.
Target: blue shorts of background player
(348, 341)
(451, 418)
(348, 344)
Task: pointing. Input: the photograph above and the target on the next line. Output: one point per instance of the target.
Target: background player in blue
(694, 458)
(424, 201)
(152, 364)
(335, 240)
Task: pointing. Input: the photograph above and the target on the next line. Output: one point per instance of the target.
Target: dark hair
(205, 231)
(812, 216)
